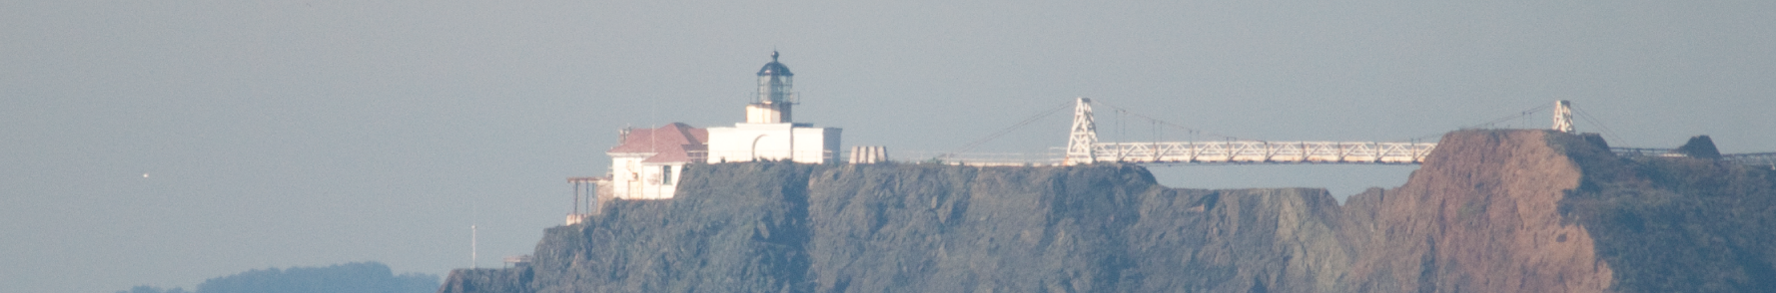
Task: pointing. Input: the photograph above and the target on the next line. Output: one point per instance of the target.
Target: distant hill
(358, 277)
(1488, 211)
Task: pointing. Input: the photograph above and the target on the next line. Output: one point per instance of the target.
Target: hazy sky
(281, 134)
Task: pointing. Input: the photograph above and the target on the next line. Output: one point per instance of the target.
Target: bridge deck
(1754, 159)
(1751, 159)
(1264, 152)
(1261, 152)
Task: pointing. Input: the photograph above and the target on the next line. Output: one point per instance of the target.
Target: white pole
(474, 235)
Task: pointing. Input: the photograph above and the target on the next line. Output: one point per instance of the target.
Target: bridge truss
(1264, 152)
(1083, 147)
(1753, 159)
(1749, 159)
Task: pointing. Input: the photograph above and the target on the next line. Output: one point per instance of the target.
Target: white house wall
(633, 179)
(773, 141)
(816, 145)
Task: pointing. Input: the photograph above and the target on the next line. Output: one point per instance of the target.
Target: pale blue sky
(310, 133)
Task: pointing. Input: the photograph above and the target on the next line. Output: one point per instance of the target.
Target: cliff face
(771, 227)
(1104, 228)
(1481, 215)
(1490, 211)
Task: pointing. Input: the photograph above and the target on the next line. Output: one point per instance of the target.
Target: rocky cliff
(1489, 211)
(1481, 215)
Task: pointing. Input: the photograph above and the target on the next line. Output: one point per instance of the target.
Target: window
(666, 175)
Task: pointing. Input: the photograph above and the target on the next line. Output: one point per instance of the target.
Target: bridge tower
(1085, 134)
(1563, 116)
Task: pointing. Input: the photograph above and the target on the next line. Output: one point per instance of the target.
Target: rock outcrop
(1489, 211)
(1481, 215)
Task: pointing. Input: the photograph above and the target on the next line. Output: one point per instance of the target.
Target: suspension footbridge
(1084, 147)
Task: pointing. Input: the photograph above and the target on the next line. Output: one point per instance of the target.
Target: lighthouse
(769, 132)
(775, 96)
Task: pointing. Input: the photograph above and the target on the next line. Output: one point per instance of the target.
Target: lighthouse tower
(769, 132)
(774, 94)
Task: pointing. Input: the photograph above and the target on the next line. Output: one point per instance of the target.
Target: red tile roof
(669, 144)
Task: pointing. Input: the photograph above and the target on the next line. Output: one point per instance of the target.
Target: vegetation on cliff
(1680, 224)
(771, 227)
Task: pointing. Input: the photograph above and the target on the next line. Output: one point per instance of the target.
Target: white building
(648, 162)
(769, 133)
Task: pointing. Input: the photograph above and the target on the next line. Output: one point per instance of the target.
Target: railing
(1264, 152)
(1645, 152)
(1750, 159)
(1753, 159)
(1251, 152)
(1213, 152)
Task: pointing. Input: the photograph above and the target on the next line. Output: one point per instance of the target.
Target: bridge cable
(1163, 122)
(1492, 123)
(1002, 132)
(1524, 113)
(1606, 130)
